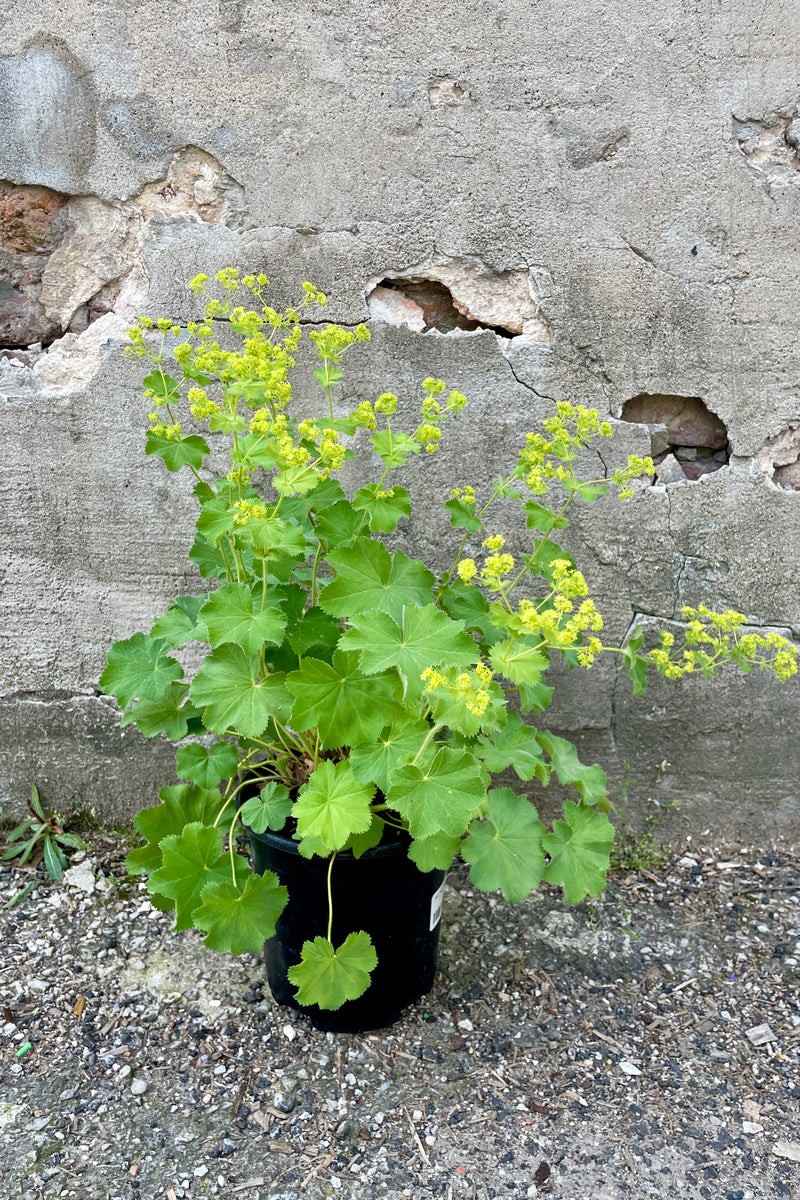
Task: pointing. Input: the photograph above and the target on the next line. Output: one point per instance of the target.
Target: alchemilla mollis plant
(347, 690)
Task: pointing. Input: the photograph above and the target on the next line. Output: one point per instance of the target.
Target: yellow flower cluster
(171, 432)
(466, 495)
(711, 639)
(386, 403)
(470, 686)
(248, 510)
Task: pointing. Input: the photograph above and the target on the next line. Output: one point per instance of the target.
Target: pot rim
(286, 843)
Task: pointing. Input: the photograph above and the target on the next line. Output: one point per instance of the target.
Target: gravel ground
(646, 1045)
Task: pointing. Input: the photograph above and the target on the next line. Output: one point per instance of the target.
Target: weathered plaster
(615, 187)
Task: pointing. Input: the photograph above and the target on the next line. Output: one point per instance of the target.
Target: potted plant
(351, 705)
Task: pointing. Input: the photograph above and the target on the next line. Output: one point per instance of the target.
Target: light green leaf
(505, 849)
(514, 745)
(191, 860)
(178, 452)
(273, 538)
(161, 385)
(167, 715)
(138, 667)
(535, 698)
(420, 638)
(268, 810)
(591, 782)
(182, 805)
(180, 623)
(579, 848)
(240, 918)
(313, 628)
(233, 614)
(435, 853)
(339, 525)
(207, 767)
(451, 709)
(518, 659)
(441, 797)
(637, 663)
(345, 705)
(225, 422)
(369, 577)
(463, 516)
(295, 481)
(234, 696)
(359, 843)
(465, 602)
(333, 804)
(328, 977)
(394, 448)
(216, 518)
(375, 760)
(385, 508)
(540, 517)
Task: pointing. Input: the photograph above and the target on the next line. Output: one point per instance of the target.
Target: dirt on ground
(646, 1045)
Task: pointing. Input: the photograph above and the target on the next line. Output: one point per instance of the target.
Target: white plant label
(436, 907)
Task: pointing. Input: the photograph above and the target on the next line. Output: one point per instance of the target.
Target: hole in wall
(780, 458)
(687, 439)
(449, 296)
(68, 262)
(421, 304)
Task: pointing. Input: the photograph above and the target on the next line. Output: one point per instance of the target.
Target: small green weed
(41, 836)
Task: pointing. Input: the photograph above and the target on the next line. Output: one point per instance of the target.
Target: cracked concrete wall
(617, 188)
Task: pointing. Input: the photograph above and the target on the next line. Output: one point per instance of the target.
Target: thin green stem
(431, 734)
(330, 897)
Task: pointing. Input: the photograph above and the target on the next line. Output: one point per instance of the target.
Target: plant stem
(330, 897)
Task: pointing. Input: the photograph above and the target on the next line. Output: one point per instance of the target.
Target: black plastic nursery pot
(383, 893)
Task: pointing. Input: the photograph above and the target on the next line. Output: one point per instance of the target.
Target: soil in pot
(383, 893)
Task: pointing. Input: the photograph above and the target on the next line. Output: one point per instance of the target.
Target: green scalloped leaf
(520, 660)
(207, 767)
(375, 760)
(505, 848)
(328, 977)
(333, 805)
(268, 810)
(233, 695)
(181, 805)
(590, 782)
(138, 668)
(434, 853)
(440, 797)
(190, 861)
(180, 624)
(167, 715)
(419, 638)
(345, 705)
(240, 918)
(368, 577)
(579, 848)
(233, 614)
(514, 745)
(384, 507)
(178, 452)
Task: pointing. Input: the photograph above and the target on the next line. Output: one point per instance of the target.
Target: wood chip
(422, 1151)
(280, 1148)
(79, 1006)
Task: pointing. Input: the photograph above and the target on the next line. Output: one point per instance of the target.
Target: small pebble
(139, 1087)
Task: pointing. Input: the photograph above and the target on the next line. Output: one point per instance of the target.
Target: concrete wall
(615, 186)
